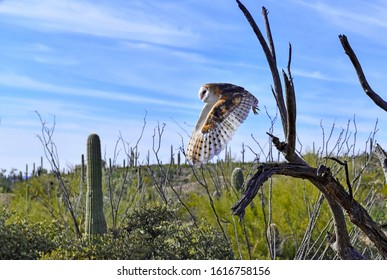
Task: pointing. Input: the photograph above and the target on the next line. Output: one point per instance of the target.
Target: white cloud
(312, 74)
(94, 19)
(363, 17)
(45, 59)
(25, 82)
(155, 54)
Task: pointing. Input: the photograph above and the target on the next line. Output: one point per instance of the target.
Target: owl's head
(208, 93)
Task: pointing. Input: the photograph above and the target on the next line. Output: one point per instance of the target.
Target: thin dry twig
(345, 164)
(51, 153)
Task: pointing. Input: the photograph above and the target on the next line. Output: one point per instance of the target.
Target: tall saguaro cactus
(95, 220)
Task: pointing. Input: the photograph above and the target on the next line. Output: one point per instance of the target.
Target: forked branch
(270, 57)
(51, 153)
(332, 189)
(321, 177)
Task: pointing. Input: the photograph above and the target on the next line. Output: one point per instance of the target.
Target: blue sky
(98, 66)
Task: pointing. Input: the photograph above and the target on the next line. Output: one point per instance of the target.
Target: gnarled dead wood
(321, 177)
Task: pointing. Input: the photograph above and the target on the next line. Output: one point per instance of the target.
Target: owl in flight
(226, 107)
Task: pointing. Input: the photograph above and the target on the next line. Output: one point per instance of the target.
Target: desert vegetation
(325, 203)
(171, 211)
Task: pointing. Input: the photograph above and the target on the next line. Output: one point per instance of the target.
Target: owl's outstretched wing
(217, 124)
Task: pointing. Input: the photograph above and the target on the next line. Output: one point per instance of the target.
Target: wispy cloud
(97, 65)
(94, 19)
(25, 82)
(312, 74)
(184, 55)
(364, 18)
(46, 59)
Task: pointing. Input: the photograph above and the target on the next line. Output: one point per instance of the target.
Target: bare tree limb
(265, 12)
(271, 59)
(322, 177)
(51, 153)
(332, 189)
(340, 241)
(291, 116)
(382, 156)
(359, 71)
(345, 164)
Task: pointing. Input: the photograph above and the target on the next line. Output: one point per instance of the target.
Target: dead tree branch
(336, 196)
(345, 164)
(51, 153)
(270, 57)
(360, 74)
(382, 156)
(322, 178)
(291, 133)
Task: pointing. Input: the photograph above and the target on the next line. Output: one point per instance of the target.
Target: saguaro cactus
(237, 178)
(95, 220)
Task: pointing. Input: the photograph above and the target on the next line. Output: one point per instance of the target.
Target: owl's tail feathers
(204, 146)
(194, 153)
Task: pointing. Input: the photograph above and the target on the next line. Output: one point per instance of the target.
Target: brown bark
(359, 71)
(321, 177)
(333, 190)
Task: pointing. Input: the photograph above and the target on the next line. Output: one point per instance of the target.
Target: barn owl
(226, 107)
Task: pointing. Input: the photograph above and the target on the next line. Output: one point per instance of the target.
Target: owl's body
(227, 106)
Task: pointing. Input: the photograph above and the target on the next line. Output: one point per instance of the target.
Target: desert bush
(151, 232)
(155, 232)
(23, 240)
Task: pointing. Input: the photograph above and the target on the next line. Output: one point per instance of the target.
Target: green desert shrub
(150, 233)
(22, 240)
